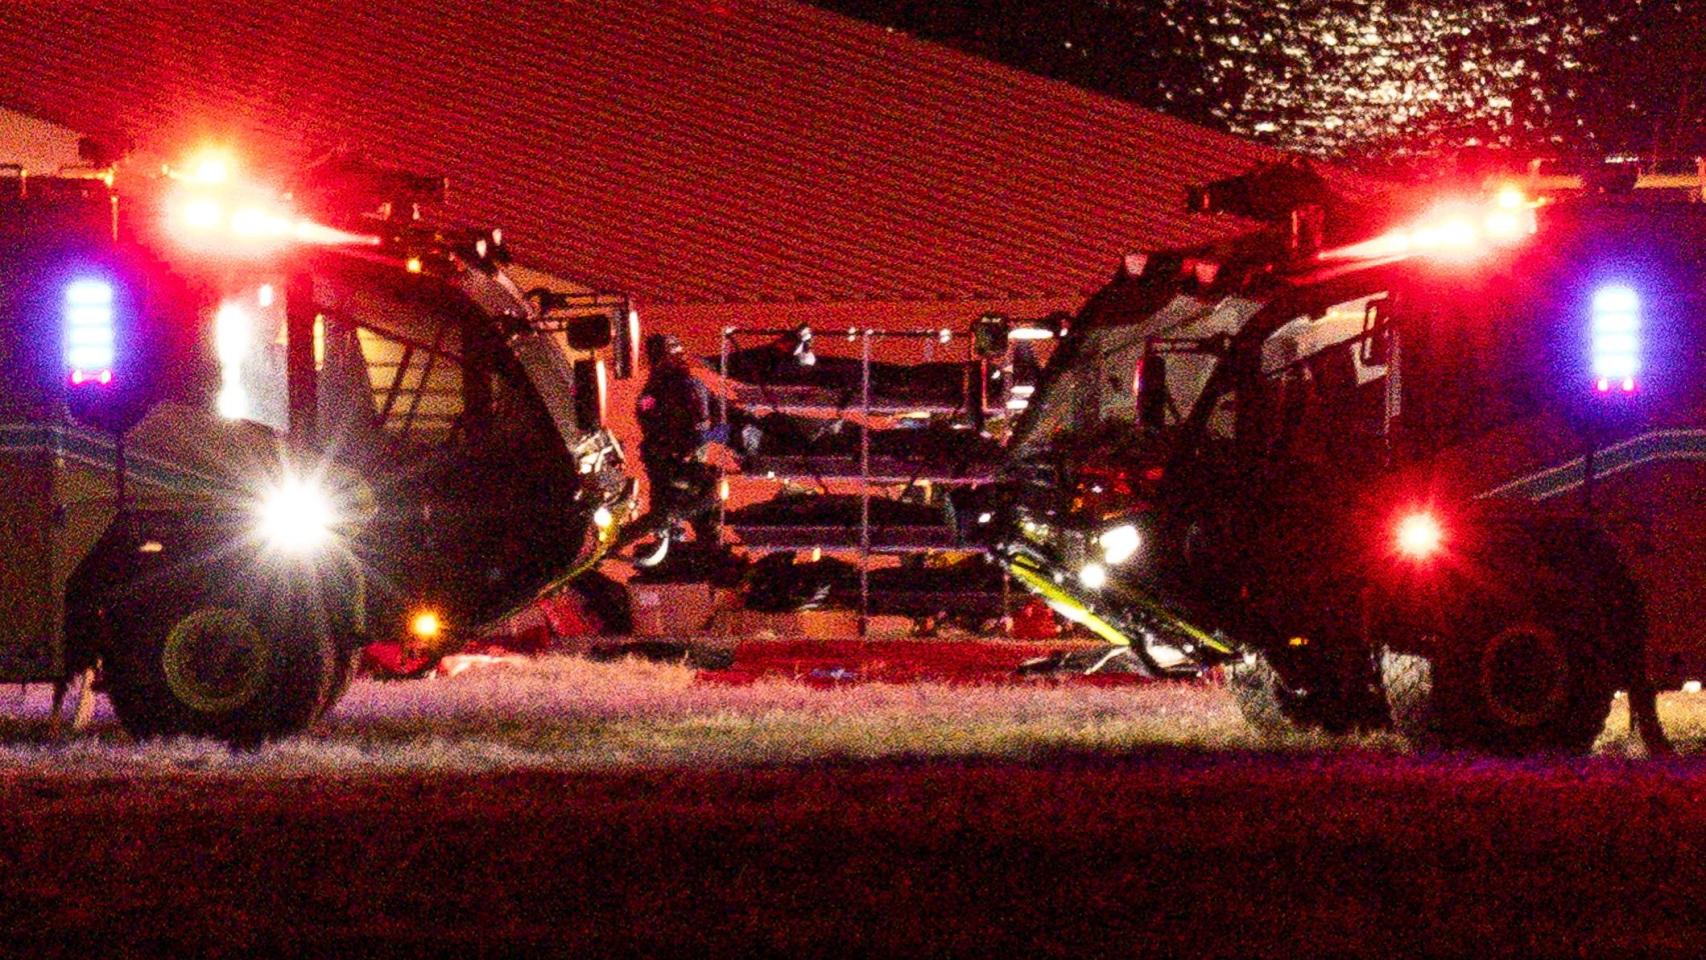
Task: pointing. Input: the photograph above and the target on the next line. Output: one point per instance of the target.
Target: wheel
(343, 669)
(1261, 697)
(1528, 663)
(1509, 684)
(1332, 689)
(1517, 688)
(201, 662)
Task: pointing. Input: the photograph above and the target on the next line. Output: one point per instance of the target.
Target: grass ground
(562, 807)
(566, 713)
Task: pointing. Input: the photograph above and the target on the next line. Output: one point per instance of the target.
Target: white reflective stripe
(1681, 444)
(94, 450)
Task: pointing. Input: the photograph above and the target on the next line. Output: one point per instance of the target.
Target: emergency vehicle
(1444, 474)
(246, 428)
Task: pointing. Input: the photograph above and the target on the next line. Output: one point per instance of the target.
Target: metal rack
(867, 471)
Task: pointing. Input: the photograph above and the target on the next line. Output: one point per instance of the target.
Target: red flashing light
(1420, 535)
(1511, 197)
(213, 211)
(1453, 230)
(210, 164)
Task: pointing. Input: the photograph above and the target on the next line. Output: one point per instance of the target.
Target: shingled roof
(688, 151)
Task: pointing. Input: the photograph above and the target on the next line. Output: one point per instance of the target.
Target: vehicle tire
(1259, 692)
(1516, 689)
(343, 670)
(1408, 680)
(1529, 667)
(204, 663)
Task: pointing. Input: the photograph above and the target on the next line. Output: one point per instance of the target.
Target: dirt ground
(575, 809)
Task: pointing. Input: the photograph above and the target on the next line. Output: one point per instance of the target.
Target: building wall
(38, 146)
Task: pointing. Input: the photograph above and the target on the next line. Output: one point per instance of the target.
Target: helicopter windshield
(1091, 384)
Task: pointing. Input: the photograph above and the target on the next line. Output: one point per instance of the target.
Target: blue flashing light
(1616, 338)
(90, 340)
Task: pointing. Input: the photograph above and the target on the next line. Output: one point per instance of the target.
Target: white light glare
(233, 331)
(89, 293)
(232, 403)
(1093, 576)
(201, 214)
(295, 517)
(1120, 543)
(1420, 535)
(1616, 299)
(212, 165)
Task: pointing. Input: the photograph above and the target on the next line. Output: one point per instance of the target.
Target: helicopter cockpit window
(416, 384)
(249, 347)
(1325, 399)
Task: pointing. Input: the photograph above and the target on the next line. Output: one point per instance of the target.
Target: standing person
(674, 411)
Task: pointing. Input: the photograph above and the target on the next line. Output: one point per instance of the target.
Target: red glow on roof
(770, 151)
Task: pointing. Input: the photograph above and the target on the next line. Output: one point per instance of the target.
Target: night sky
(1363, 78)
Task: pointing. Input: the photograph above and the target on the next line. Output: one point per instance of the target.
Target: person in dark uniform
(674, 411)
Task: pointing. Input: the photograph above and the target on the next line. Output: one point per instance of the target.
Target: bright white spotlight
(201, 214)
(295, 517)
(1093, 576)
(1120, 543)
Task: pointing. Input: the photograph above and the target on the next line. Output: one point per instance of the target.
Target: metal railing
(973, 403)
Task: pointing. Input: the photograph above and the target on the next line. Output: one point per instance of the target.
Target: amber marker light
(426, 625)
